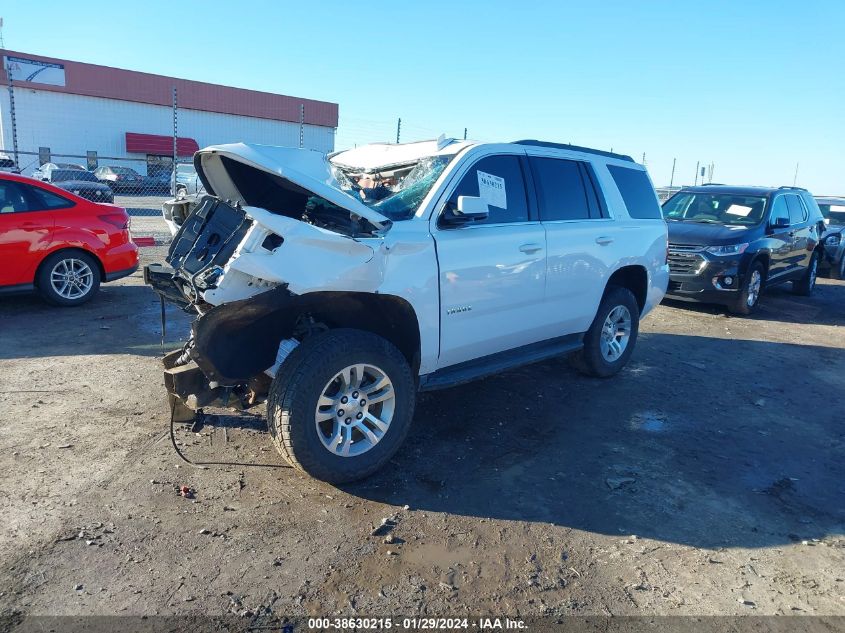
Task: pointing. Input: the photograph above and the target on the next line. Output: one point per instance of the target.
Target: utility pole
(465, 134)
(12, 114)
(301, 125)
(643, 157)
(795, 178)
(175, 137)
(398, 128)
(697, 163)
(672, 178)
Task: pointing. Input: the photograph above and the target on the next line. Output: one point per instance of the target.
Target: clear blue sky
(753, 86)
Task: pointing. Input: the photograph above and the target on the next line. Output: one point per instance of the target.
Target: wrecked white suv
(336, 288)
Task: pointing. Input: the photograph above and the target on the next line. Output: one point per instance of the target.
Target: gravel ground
(707, 478)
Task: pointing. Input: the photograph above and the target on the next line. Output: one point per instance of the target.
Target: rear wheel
(807, 283)
(68, 278)
(341, 405)
(749, 297)
(609, 342)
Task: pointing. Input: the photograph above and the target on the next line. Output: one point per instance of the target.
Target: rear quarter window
(637, 193)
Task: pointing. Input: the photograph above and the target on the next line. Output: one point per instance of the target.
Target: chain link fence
(118, 136)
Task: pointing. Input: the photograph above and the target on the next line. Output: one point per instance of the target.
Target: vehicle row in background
(833, 210)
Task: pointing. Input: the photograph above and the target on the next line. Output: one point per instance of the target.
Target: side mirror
(472, 208)
(780, 223)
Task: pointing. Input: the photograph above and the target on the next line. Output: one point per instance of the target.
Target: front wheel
(749, 297)
(68, 278)
(609, 342)
(341, 405)
(807, 283)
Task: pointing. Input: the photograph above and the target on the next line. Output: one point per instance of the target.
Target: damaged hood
(307, 169)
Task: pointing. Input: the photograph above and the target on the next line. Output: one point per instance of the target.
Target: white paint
(381, 155)
(492, 190)
(485, 288)
(307, 168)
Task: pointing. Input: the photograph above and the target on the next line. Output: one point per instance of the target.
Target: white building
(93, 115)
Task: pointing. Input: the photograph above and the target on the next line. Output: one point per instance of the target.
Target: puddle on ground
(651, 421)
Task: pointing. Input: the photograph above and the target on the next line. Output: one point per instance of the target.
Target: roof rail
(795, 188)
(573, 148)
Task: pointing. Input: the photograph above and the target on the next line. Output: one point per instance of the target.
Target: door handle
(530, 248)
(604, 240)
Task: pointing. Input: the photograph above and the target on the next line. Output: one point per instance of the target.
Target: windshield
(60, 175)
(186, 170)
(124, 170)
(394, 192)
(834, 213)
(715, 208)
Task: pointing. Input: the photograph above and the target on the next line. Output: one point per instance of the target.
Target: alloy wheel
(72, 278)
(814, 267)
(615, 333)
(754, 284)
(355, 410)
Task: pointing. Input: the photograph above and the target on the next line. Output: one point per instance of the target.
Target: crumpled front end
(248, 274)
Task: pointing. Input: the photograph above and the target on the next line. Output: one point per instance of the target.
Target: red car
(58, 244)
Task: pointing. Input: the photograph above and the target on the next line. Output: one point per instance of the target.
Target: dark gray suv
(727, 244)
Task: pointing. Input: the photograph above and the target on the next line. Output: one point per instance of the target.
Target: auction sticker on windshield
(738, 209)
(491, 189)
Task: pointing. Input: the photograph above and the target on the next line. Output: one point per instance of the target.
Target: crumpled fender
(235, 341)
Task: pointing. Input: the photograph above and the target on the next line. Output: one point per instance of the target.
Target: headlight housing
(833, 240)
(728, 249)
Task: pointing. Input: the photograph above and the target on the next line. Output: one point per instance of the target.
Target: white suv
(336, 287)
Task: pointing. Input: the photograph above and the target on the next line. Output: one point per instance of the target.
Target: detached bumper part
(189, 390)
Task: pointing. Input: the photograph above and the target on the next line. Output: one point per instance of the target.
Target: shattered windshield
(394, 192)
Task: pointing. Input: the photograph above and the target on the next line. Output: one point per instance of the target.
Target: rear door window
(499, 181)
(637, 193)
(12, 198)
(560, 189)
(779, 210)
(797, 212)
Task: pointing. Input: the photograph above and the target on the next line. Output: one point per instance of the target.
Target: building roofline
(107, 82)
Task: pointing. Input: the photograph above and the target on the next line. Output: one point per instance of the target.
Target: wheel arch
(235, 341)
(68, 249)
(633, 277)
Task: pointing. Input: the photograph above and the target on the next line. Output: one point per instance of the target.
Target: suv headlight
(729, 249)
(833, 240)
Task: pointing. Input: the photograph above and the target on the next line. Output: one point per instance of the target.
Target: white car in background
(336, 288)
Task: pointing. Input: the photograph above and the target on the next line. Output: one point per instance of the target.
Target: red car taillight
(121, 221)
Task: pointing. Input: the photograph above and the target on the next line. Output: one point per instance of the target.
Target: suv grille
(685, 259)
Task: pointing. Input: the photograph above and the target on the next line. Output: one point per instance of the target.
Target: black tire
(292, 402)
(807, 283)
(590, 360)
(45, 271)
(741, 306)
(840, 272)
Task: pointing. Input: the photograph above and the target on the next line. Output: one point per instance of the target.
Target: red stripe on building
(92, 80)
(161, 145)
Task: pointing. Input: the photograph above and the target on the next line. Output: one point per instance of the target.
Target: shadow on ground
(654, 452)
(121, 319)
(825, 307)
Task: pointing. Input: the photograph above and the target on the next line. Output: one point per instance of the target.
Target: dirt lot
(707, 478)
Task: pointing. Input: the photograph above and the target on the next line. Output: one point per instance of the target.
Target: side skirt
(501, 361)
